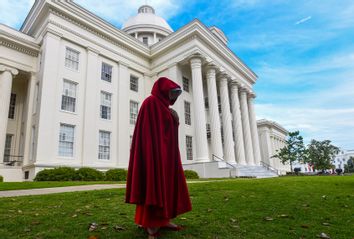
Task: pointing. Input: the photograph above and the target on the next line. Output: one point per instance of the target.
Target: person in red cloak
(155, 180)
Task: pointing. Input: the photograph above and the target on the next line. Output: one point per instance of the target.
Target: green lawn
(285, 207)
(30, 185)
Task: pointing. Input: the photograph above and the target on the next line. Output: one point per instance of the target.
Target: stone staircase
(254, 171)
(221, 169)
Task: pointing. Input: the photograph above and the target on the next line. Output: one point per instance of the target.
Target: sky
(302, 52)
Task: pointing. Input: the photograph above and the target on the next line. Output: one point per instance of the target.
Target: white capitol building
(71, 85)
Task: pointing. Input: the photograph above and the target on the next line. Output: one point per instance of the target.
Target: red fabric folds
(155, 180)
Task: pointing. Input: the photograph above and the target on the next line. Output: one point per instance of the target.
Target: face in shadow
(174, 93)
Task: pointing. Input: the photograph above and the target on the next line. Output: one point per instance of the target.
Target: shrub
(1, 179)
(116, 175)
(339, 171)
(56, 174)
(190, 174)
(297, 170)
(88, 174)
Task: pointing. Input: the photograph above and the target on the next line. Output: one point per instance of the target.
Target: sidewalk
(41, 191)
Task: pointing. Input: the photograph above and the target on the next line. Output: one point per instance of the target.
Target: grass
(31, 185)
(51, 184)
(286, 207)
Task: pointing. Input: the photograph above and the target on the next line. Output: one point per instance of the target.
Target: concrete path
(41, 191)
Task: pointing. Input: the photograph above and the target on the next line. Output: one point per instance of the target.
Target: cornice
(272, 124)
(207, 36)
(95, 32)
(18, 43)
(97, 43)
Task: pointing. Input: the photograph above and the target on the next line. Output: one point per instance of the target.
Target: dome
(146, 18)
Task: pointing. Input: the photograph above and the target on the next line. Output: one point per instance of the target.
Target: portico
(233, 129)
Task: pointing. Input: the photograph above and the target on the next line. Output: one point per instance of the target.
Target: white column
(246, 128)
(6, 74)
(229, 152)
(154, 38)
(268, 141)
(29, 113)
(89, 126)
(136, 35)
(199, 110)
(237, 125)
(215, 127)
(254, 131)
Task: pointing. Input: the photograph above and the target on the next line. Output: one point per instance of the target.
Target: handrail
(222, 160)
(269, 167)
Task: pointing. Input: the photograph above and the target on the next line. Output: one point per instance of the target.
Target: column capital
(223, 76)
(33, 74)
(10, 69)
(195, 58)
(211, 67)
(251, 95)
(235, 84)
(196, 62)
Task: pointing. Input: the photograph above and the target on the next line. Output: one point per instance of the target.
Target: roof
(146, 16)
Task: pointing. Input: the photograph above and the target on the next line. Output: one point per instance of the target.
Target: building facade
(341, 159)
(272, 137)
(71, 85)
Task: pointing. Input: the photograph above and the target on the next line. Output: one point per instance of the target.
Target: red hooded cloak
(155, 180)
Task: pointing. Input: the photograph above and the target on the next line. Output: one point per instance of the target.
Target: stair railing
(267, 166)
(218, 159)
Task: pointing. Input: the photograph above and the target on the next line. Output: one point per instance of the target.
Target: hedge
(89, 174)
(116, 175)
(190, 174)
(1, 179)
(56, 174)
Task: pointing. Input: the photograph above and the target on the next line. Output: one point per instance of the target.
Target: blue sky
(302, 52)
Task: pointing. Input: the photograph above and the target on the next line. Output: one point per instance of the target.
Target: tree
(349, 167)
(293, 150)
(320, 154)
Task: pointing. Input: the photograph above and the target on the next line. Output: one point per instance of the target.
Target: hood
(162, 88)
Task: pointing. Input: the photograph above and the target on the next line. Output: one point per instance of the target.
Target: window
(133, 111)
(36, 95)
(106, 99)
(208, 131)
(187, 113)
(104, 145)
(131, 140)
(12, 106)
(206, 102)
(68, 101)
(145, 40)
(222, 134)
(134, 83)
(26, 174)
(33, 143)
(106, 72)
(219, 104)
(72, 58)
(185, 84)
(189, 148)
(66, 140)
(8, 143)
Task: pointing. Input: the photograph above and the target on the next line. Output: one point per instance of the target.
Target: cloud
(118, 11)
(13, 14)
(313, 123)
(303, 20)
